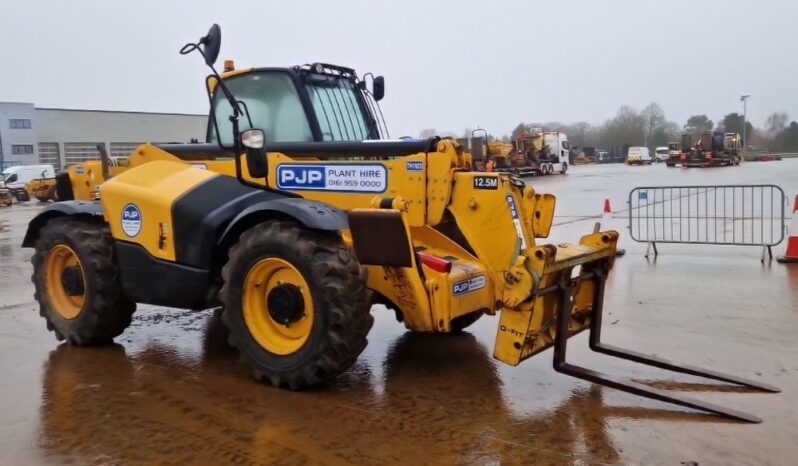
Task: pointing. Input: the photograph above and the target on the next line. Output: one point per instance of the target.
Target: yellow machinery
(296, 217)
(6, 197)
(43, 189)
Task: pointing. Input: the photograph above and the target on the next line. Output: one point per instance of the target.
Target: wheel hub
(285, 304)
(72, 281)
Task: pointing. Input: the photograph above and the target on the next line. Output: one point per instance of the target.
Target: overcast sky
(448, 65)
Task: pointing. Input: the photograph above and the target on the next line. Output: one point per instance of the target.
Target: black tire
(564, 168)
(21, 195)
(341, 319)
(106, 312)
(52, 193)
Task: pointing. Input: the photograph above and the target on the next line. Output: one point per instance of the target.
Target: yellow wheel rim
(274, 336)
(59, 259)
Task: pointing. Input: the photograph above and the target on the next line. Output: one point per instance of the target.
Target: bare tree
(579, 133)
(776, 123)
(627, 127)
(427, 133)
(653, 117)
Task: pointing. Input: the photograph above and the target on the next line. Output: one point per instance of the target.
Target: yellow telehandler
(297, 215)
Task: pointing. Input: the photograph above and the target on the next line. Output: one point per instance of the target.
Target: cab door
(565, 150)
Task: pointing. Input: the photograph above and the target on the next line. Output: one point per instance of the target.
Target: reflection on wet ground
(440, 401)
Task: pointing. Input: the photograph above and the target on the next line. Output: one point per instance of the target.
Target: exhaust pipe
(105, 161)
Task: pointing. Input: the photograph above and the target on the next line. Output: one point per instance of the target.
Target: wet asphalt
(170, 391)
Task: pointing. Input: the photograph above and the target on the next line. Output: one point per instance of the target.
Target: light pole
(744, 100)
(2, 157)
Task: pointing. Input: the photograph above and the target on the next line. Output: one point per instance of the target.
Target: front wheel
(77, 282)
(295, 304)
(564, 168)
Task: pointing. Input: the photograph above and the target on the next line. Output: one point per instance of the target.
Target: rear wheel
(77, 282)
(295, 304)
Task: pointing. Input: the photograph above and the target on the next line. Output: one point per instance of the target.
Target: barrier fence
(741, 215)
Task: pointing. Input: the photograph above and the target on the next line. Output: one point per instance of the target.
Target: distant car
(661, 154)
(638, 156)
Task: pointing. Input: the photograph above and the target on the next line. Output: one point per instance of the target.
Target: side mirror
(253, 141)
(211, 44)
(379, 88)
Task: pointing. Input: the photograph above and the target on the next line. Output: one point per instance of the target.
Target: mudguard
(82, 208)
(312, 214)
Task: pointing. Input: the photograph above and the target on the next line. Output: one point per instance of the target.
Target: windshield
(273, 105)
(337, 108)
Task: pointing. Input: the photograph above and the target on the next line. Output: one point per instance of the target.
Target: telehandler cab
(295, 217)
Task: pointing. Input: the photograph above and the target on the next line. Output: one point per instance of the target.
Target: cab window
(273, 104)
(337, 108)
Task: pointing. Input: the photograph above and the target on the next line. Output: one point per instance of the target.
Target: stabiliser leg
(560, 365)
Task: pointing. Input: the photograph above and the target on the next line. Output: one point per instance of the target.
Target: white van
(661, 154)
(18, 176)
(638, 156)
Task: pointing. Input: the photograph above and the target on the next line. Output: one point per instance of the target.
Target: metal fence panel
(744, 215)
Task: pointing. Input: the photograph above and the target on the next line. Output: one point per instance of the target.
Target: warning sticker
(131, 220)
(360, 178)
(415, 166)
(516, 220)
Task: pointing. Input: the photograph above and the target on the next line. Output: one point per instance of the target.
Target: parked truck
(531, 154)
(619, 153)
(544, 152)
(710, 149)
(674, 154)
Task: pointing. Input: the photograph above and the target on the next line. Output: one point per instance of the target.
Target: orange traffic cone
(791, 254)
(607, 209)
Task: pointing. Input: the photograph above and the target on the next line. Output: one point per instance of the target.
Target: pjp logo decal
(467, 286)
(349, 178)
(300, 177)
(131, 220)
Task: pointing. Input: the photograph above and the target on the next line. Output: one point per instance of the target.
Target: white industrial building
(31, 135)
